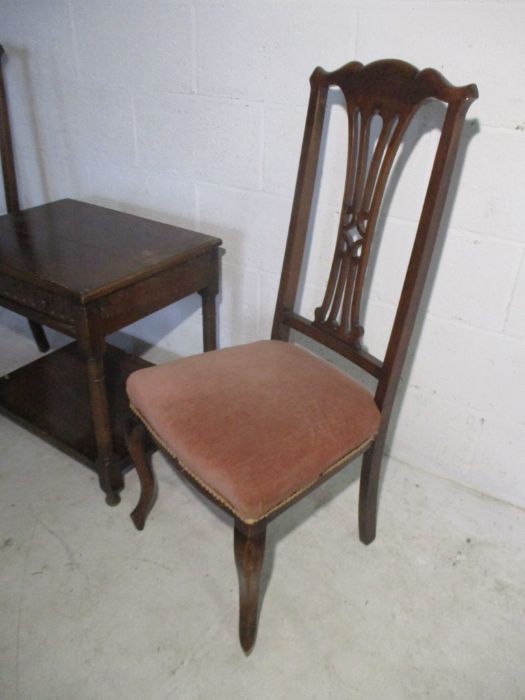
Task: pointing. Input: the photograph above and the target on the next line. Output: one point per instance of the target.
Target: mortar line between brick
(259, 323)
(514, 286)
(365, 4)
(74, 38)
(455, 323)
(462, 230)
(193, 48)
(477, 329)
(243, 190)
(262, 147)
(519, 133)
(223, 98)
(197, 201)
(135, 132)
(357, 13)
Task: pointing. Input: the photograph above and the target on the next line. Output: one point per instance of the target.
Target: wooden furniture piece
(88, 271)
(10, 186)
(258, 426)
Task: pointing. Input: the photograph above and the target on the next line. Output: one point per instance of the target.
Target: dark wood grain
(88, 271)
(392, 91)
(51, 396)
(136, 442)
(249, 545)
(82, 251)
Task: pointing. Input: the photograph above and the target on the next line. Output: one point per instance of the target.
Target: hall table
(88, 271)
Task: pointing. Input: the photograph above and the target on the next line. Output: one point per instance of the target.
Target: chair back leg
(368, 490)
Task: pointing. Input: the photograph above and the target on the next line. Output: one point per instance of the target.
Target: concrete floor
(90, 608)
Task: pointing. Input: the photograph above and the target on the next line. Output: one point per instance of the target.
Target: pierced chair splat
(256, 427)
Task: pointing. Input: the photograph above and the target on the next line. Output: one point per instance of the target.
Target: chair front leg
(136, 442)
(249, 543)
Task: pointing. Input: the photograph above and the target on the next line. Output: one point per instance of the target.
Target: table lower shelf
(50, 397)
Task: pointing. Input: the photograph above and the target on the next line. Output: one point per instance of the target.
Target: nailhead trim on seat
(250, 521)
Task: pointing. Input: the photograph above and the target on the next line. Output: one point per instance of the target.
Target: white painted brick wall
(515, 324)
(246, 221)
(136, 44)
(264, 50)
(191, 112)
(200, 138)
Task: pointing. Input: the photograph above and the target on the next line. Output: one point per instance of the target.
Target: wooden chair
(10, 186)
(256, 427)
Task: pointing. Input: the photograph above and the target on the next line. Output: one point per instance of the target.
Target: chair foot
(368, 491)
(249, 543)
(39, 336)
(136, 443)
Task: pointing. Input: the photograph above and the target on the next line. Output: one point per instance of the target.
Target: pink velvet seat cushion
(254, 424)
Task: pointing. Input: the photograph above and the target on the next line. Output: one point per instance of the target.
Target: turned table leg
(92, 345)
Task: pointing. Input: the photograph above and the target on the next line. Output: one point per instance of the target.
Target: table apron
(145, 296)
(38, 305)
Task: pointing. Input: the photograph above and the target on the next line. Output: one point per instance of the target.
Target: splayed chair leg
(368, 490)
(39, 336)
(136, 442)
(249, 542)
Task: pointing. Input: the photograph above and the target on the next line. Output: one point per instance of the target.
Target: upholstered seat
(255, 424)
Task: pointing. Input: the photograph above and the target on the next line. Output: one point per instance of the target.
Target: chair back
(6, 148)
(394, 91)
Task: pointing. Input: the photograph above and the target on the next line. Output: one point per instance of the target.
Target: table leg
(39, 336)
(92, 347)
(110, 477)
(209, 319)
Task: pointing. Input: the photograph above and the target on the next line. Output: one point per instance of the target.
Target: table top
(87, 251)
